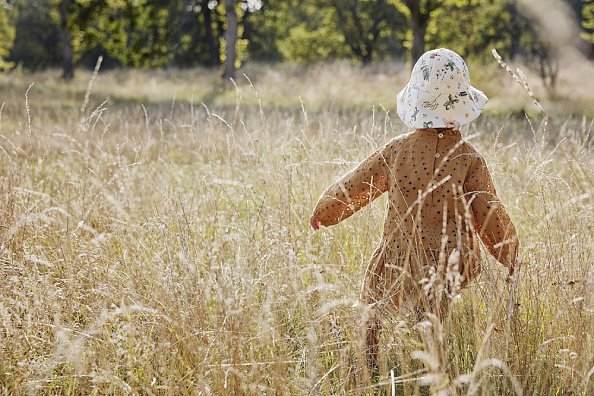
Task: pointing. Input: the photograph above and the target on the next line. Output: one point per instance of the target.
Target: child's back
(441, 198)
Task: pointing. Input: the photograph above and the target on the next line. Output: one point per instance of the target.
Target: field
(155, 239)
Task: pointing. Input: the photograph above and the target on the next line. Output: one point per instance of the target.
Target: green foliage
(588, 21)
(306, 45)
(480, 26)
(7, 34)
(361, 30)
(187, 33)
(263, 32)
(371, 29)
(137, 32)
(199, 31)
(36, 43)
(313, 34)
(152, 33)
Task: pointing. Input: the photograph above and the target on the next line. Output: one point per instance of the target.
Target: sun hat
(439, 94)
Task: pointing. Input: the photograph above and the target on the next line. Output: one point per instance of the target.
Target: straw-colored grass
(159, 242)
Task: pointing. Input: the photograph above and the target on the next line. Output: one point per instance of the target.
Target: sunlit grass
(159, 242)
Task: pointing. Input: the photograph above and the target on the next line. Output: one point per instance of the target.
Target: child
(441, 199)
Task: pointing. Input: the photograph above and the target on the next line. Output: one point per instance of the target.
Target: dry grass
(159, 243)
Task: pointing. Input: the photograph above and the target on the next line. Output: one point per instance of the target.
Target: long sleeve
(356, 189)
(492, 222)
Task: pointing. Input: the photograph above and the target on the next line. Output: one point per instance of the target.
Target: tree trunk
(515, 29)
(230, 37)
(213, 48)
(66, 38)
(419, 19)
(418, 24)
(419, 28)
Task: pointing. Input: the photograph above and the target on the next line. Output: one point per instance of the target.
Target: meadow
(155, 239)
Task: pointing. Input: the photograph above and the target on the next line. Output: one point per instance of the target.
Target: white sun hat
(439, 94)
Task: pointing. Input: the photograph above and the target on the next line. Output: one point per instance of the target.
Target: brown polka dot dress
(441, 201)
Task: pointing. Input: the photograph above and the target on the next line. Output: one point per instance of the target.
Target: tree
(37, 40)
(199, 26)
(584, 13)
(362, 30)
(7, 34)
(588, 21)
(363, 23)
(157, 33)
(419, 16)
(481, 25)
(262, 30)
(485, 24)
(311, 33)
(66, 39)
(211, 43)
(139, 33)
(230, 37)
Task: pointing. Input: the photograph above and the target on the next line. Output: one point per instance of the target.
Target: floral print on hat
(439, 94)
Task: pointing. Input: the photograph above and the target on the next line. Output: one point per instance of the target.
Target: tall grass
(160, 244)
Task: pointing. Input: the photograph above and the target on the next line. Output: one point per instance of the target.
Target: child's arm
(492, 222)
(354, 190)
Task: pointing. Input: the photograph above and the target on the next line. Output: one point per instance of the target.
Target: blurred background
(295, 45)
(40, 34)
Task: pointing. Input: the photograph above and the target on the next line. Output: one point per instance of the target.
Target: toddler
(441, 199)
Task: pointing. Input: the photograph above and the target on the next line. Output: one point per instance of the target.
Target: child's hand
(315, 223)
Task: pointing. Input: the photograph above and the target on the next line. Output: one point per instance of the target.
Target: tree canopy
(37, 34)
(7, 34)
